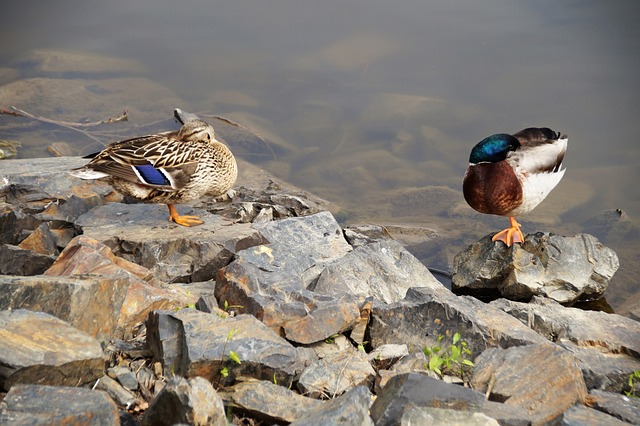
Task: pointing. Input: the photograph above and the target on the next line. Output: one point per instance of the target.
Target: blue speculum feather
(151, 175)
(493, 149)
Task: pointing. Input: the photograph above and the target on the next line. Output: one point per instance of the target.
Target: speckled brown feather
(492, 188)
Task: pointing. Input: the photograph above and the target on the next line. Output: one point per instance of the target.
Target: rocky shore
(272, 313)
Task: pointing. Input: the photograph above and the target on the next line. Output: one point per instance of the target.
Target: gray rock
(579, 415)
(191, 401)
(126, 377)
(383, 270)
(336, 343)
(417, 390)
(123, 397)
(610, 332)
(349, 409)
(39, 348)
(336, 373)
(38, 191)
(190, 343)
(116, 294)
(41, 241)
(271, 402)
(19, 261)
(565, 269)
(272, 281)
(543, 379)
(444, 417)
(36, 404)
(506, 415)
(103, 306)
(414, 362)
(617, 405)
(425, 314)
(386, 355)
(361, 235)
(142, 234)
(602, 369)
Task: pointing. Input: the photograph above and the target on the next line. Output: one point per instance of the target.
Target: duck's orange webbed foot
(182, 220)
(511, 235)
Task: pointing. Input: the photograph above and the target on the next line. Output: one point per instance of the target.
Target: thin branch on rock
(75, 126)
(17, 112)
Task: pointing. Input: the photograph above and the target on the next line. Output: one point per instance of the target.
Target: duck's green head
(493, 149)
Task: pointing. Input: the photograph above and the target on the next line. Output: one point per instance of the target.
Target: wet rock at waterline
(565, 269)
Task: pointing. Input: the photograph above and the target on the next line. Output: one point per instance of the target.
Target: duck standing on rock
(170, 167)
(509, 175)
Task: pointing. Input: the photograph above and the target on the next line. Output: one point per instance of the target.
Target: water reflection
(371, 104)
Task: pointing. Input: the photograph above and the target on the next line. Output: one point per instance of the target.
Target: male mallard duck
(171, 167)
(509, 175)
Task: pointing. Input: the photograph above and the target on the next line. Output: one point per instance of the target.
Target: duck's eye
(208, 137)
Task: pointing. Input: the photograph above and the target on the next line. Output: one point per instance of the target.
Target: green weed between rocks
(450, 359)
(633, 377)
(224, 370)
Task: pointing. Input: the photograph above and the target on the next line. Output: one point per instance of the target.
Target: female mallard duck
(509, 175)
(170, 167)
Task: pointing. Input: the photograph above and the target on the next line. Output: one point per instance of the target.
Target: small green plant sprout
(633, 377)
(227, 306)
(331, 339)
(448, 359)
(188, 305)
(233, 356)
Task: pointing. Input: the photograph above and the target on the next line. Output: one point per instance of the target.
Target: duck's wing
(541, 150)
(158, 161)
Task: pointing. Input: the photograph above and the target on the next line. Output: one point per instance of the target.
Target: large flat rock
(57, 405)
(611, 332)
(425, 314)
(193, 343)
(543, 379)
(41, 349)
(92, 289)
(142, 234)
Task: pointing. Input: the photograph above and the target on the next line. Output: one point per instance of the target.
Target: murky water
(371, 104)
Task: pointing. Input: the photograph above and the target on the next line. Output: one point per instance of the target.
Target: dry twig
(17, 112)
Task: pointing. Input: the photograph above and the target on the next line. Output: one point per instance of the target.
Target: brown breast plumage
(492, 188)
